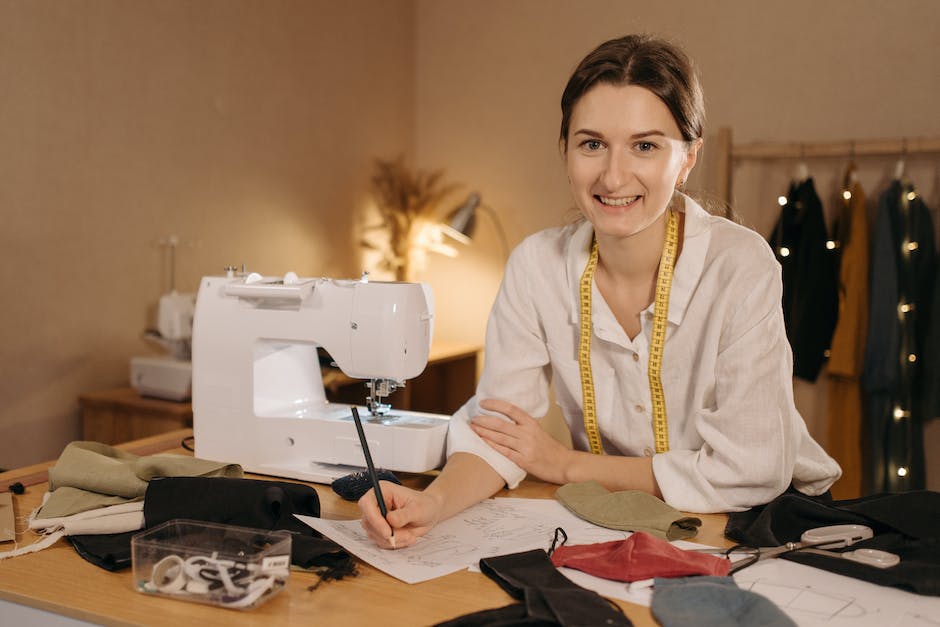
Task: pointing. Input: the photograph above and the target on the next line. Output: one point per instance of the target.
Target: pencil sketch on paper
(805, 599)
(815, 597)
(493, 527)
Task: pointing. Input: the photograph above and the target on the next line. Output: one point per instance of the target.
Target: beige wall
(246, 128)
(490, 75)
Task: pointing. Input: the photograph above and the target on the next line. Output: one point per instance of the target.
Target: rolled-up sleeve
(516, 367)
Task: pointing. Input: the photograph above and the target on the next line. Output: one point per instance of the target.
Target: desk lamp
(460, 223)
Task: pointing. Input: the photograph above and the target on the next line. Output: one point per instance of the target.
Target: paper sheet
(493, 527)
(818, 598)
(811, 597)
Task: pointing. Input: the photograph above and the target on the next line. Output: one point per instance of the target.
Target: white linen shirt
(735, 437)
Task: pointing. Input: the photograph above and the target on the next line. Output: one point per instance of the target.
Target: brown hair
(643, 61)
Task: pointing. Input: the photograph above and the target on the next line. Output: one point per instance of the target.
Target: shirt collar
(688, 270)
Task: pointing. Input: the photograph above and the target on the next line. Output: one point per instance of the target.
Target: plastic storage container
(224, 565)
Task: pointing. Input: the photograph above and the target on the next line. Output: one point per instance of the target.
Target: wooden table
(60, 581)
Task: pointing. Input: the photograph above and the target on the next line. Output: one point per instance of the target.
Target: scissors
(818, 540)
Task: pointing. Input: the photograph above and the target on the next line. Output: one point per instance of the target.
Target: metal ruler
(657, 340)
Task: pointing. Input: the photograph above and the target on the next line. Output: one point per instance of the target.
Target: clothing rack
(729, 153)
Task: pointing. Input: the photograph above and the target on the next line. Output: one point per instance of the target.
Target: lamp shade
(461, 222)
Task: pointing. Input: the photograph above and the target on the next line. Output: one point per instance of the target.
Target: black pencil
(371, 468)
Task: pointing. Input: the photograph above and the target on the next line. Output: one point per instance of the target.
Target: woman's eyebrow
(650, 133)
(638, 135)
(589, 132)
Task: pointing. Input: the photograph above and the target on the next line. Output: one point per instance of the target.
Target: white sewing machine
(258, 397)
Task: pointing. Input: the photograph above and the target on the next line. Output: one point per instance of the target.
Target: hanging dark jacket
(931, 351)
(810, 296)
(902, 274)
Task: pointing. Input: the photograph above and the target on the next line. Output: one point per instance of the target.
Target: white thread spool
(168, 574)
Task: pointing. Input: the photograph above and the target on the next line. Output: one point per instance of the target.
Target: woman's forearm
(464, 481)
(614, 472)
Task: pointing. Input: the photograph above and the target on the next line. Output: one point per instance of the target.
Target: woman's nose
(616, 171)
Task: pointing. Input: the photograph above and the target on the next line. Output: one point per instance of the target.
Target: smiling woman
(625, 158)
(659, 325)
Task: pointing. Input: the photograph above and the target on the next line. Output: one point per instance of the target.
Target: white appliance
(162, 377)
(169, 376)
(258, 397)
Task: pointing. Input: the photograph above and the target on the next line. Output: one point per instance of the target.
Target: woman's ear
(691, 157)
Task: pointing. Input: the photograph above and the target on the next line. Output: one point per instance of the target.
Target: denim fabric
(712, 602)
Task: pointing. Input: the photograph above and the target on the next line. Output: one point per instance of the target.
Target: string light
(912, 358)
(784, 251)
(902, 471)
(847, 195)
(912, 246)
(830, 244)
(911, 195)
(900, 413)
(905, 307)
(781, 200)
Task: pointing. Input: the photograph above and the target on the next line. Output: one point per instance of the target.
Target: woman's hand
(411, 514)
(523, 441)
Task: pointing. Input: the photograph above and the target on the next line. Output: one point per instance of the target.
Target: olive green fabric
(90, 475)
(630, 510)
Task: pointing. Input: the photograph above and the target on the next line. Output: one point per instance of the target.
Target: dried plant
(407, 200)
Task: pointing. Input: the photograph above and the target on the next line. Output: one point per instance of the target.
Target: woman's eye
(646, 146)
(592, 145)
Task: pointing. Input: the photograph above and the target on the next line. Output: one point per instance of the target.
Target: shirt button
(648, 451)
(639, 408)
(636, 357)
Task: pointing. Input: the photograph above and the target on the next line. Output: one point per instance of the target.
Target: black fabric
(251, 503)
(509, 616)
(907, 524)
(109, 551)
(547, 597)
(810, 281)
(351, 487)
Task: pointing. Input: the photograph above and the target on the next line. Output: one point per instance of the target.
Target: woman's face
(624, 157)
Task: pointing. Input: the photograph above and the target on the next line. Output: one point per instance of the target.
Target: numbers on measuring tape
(657, 341)
(584, 355)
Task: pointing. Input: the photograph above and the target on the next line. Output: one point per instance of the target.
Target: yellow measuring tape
(667, 264)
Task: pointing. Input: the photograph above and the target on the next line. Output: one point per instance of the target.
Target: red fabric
(641, 556)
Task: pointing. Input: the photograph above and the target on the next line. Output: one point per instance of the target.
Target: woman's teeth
(617, 202)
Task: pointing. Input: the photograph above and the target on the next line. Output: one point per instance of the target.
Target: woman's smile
(618, 202)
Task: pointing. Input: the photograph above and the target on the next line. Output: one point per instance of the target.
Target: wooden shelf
(121, 415)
